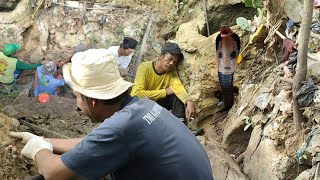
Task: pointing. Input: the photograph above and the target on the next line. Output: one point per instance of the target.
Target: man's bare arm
(61, 146)
(51, 167)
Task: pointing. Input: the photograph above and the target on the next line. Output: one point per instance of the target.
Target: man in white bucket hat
(137, 139)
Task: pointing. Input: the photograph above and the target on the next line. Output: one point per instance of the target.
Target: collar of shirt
(126, 101)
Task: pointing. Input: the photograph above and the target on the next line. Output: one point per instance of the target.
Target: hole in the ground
(226, 15)
(7, 6)
(218, 94)
(168, 36)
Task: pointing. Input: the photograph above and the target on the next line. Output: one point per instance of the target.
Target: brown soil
(55, 117)
(13, 166)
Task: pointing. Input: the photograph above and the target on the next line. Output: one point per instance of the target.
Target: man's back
(163, 147)
(143, 141)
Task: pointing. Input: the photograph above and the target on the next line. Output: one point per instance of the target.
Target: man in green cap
(9, 63)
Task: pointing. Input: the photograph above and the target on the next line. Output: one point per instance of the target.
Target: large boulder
(14, 23)
(198, 70)
(235, 138)
(252, 97)
(223, 165)
(264, 159)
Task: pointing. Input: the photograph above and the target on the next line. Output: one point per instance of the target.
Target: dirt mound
(13, 166)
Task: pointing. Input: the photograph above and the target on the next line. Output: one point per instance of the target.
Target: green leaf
(247, 119)
(256, 4)
(305, 157)
(243, 23)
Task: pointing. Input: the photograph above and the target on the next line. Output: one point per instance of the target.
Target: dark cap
(171, 48)
(129, 43)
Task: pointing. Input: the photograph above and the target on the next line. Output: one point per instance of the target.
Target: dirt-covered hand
(24, 136)
(34, 146)
(190, 112)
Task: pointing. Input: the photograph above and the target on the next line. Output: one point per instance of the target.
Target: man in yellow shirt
(159, 81)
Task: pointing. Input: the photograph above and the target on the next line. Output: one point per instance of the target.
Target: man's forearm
(51, 166)
(61, 146)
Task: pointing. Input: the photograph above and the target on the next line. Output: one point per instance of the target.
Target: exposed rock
(313, 68)
(223, 165)
(311, 147)
(263, 100)
(10, 111)
(198, 70)
(223, 2)
(235, 138)
(293, 9)
(265, 161)
(202, 140)
(306, 175)
(5, 126)
(64, 28)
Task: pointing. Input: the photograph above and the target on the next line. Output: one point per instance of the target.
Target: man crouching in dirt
(137, 139)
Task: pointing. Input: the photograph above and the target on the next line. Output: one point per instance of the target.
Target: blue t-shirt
(47, 83)
(142, 141)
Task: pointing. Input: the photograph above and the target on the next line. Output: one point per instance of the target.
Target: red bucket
(43, 97)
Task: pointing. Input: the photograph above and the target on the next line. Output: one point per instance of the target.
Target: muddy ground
(58, 118)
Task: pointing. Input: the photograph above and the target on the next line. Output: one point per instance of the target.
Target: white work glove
(24, 136)
(35, 145)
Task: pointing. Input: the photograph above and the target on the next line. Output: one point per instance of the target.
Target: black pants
(174, 104)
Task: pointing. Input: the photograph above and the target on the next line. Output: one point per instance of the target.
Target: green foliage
(243, 23)
(253, 3)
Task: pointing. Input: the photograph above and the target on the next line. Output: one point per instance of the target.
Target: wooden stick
(206, 15)
(280, 35)
(143, 44)
(114, 6)
(177, 4)
(273, 30)
(46, 133)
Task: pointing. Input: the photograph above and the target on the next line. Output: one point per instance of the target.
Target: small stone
(5, 143)
(14, 150)
(10, 147)
(15, 123)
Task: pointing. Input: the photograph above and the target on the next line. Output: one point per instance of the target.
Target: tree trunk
(301, 70)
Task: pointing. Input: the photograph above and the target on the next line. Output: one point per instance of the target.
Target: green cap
(10, 49)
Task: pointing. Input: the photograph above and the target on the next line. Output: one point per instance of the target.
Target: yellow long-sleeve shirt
(149, 84)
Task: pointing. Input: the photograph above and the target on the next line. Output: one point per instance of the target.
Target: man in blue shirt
(137, 139)
(45, 80)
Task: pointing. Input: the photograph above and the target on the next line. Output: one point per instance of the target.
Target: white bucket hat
(95, 74)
